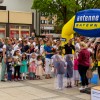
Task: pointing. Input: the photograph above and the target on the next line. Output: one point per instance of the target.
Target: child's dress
(39, 69)
(32, 68)
(76, 73)
(23, 68)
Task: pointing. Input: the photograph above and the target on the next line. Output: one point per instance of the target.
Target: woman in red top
(83, 64)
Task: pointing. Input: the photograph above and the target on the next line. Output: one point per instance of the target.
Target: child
(23, 68)
(32, 66)
(76, 73)
(39, 69)
(59, 67)
(17, 63)
(69, 71)
(9, 64)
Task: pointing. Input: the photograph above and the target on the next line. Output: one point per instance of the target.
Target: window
(2, 26)
(45, 21)
(25, 27)
(52, 31)
(42, 21)
(14, 26)
(42, 14)
(50, 22)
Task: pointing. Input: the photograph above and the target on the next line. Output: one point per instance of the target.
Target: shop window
(24, 33)
(2, 33)
(14, 34)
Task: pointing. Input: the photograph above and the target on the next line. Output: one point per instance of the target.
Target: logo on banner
(87, 23)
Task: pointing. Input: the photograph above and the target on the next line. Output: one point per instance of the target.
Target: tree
(64, 9)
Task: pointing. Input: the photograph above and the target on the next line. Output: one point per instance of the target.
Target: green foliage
(64, 9)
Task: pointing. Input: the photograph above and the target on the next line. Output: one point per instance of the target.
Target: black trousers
(82, 71)
(99, 71)
(17, 71)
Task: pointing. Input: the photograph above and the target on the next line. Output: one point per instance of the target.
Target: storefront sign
(87, 23)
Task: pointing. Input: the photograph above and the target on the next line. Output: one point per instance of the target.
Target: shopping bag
(89, 74)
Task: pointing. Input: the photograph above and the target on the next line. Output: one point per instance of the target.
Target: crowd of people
(32, 57)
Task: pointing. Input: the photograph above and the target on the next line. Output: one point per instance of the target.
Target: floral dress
(32, 67)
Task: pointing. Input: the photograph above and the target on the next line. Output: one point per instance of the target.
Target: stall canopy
(87, 23)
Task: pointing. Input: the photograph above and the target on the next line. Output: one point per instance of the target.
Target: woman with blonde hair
(83, 64)
(49, 53)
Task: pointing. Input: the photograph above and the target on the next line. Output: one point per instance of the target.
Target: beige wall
(4, 16)
(20, 17)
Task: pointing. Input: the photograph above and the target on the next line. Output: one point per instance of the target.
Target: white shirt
(41, 49)
(4, 46)
(77, 46)
(90, 50)
(16, 47)
(34, 43)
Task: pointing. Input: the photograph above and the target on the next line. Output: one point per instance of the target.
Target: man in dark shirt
(69, 47)
(25, 47)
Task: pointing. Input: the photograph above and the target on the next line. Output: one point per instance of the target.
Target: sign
(95, 94)
(87, 23)
(63, 39)
(48, 28)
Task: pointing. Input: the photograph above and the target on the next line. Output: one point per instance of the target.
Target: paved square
(38, 90)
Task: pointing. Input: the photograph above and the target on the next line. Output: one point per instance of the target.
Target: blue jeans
(9, 75)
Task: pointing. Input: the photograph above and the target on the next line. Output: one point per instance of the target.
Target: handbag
(89, 74)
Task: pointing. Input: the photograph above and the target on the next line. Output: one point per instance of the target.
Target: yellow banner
(87, 26)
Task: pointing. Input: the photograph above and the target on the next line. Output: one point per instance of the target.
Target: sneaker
(15, 79)
(70, 86)
(66, 86)
(18, 79)
(81, 88)
(86, 87)
(3, 81)
(60, 89)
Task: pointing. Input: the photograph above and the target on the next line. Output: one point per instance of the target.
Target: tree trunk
(65, 15)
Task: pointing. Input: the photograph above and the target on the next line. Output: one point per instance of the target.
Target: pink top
(75, 64)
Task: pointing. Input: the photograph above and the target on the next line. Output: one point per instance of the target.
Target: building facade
(46, 24)
(15, 24)
(18, 16)
(22, 8)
